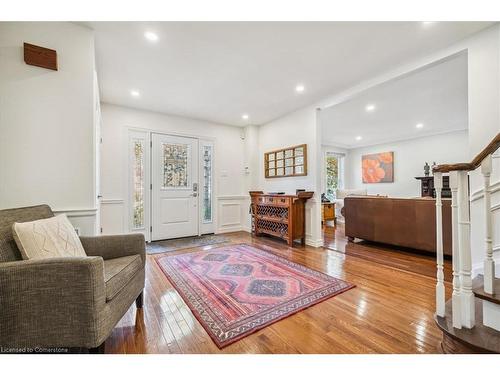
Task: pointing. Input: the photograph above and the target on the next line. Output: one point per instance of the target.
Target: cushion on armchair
(47, 238)
(118, 272)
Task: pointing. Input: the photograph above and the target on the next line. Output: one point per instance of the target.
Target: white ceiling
(435, 96)
(217, 71)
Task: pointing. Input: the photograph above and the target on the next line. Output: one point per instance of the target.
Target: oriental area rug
(236, 290)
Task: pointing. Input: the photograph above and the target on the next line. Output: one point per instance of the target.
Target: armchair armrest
(51, 302)
(115, 246)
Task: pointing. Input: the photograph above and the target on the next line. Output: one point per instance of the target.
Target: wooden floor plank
(390, 310)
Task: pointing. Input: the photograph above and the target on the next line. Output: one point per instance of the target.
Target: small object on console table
(427, 169)
(427, 187)
(279, 215)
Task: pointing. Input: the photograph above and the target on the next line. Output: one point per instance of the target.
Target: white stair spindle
(489, 264)
(440, 297)
(468, 304)
(456, 297)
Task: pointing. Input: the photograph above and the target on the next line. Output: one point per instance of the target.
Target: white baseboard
(314, 242)
(491, 315)
(236, 228)
(478, 268)
(246, 229)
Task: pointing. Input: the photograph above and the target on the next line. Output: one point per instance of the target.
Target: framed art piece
(286, 162)
(377, 168)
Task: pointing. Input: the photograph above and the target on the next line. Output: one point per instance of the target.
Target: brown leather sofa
(407, 222)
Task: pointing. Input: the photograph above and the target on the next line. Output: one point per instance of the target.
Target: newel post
(489, 264)
(440, 297)
(455, 297)
(468, 303)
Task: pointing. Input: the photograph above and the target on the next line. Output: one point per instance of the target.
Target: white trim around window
(142, 138)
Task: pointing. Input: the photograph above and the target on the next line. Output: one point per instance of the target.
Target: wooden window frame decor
(279, 163)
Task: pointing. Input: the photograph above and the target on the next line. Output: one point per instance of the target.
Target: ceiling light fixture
(152, 37)
(135, 93)
(359, 138)
(419, 125)
(370, 108)
(245, 116)
(299, 88)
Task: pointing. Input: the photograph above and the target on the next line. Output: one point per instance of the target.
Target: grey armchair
(66, 302)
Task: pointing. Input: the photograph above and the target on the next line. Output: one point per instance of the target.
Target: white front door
(175, 187)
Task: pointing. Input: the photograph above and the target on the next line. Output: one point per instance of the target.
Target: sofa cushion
(47, 238)
(118, 272)
(8, 248)
(342, 193)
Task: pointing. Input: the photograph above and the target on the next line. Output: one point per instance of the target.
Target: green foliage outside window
(332, 176)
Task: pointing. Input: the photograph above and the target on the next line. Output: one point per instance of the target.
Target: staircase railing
(463, 304)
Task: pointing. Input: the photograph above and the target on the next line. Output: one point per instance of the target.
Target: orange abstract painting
(378, 168)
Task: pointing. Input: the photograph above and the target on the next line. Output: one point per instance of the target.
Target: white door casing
(175, 186)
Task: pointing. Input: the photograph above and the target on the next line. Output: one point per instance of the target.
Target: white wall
(47, 121)
(409, 159)
(293, 129)
(231, 204)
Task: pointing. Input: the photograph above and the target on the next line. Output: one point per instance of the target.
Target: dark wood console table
(280, 215)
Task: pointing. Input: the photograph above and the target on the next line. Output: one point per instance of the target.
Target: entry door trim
(148, 135)
(175, 209)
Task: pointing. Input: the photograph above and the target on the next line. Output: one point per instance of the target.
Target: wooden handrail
(476, 162)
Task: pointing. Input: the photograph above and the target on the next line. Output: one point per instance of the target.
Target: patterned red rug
(236, 290)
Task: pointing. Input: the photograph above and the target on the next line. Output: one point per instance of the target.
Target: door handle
(194, 194)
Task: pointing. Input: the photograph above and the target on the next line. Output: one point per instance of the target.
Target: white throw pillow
(47, 238)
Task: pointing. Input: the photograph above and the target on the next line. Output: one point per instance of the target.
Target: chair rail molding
(77, 212)
(83, 219)
(113, 201)
(479, 193)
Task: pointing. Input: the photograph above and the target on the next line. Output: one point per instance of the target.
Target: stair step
(478, 289)
(479, 339)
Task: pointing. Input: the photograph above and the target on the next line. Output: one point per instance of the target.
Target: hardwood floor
(390, 311)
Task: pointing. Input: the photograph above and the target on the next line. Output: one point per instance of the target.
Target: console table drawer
(277, 201)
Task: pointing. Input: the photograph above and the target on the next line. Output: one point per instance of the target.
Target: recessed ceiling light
(359, 138)
(245, 116)
(152, 37)
(300, 88)
(419, 125)
(135, 93)
(370, 108)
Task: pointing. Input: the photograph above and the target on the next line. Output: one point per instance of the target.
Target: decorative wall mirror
(286, 162)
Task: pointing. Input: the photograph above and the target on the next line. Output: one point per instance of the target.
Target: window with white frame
(207, 186)
(334, 173)
(138, 184)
